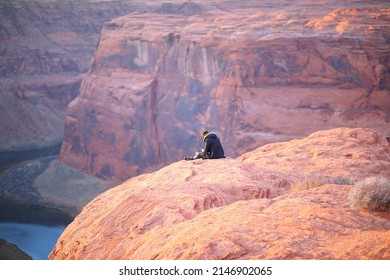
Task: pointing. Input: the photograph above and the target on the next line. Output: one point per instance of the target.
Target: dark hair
(205, 132)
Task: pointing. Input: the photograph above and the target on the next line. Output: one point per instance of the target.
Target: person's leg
(196, 156)
(192, 158)
(199, 154)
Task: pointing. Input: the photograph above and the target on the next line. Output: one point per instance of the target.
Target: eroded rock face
(281, 201)
(46, 48)
(252, 72)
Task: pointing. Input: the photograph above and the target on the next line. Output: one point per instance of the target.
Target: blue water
(35, 240)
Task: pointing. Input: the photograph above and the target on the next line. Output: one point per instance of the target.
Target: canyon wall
(254, 73)
(45, 50)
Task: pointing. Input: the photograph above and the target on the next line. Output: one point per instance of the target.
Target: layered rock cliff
(287, 200)
(45, 50)
(256, 73)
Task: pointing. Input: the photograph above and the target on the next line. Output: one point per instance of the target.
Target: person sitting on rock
(212, 147)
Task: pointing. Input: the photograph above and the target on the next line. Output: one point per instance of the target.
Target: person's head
(204, 133)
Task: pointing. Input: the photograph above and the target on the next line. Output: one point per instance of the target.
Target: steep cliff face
(288, 200)
(46, 48)
(254, 72)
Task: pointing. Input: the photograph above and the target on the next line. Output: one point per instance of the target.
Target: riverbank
(38, 192)
(21, 212)
(44, 184)
(9, 251)
(10, 158)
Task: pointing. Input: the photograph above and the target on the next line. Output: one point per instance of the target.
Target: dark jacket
(212, 147)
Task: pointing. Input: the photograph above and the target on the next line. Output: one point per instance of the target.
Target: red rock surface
(255, 72)
(281, 201)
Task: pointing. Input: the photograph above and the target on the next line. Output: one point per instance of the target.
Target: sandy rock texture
(255, 72)
(287, 200)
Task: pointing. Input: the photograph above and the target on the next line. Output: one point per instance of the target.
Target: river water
(35, 240)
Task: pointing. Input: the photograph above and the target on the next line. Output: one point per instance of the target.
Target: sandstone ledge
(282, 201)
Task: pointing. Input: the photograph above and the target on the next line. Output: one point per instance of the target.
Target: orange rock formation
(257, 72)
(287, 200)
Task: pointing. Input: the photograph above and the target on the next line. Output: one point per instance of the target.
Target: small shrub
(372, 194)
